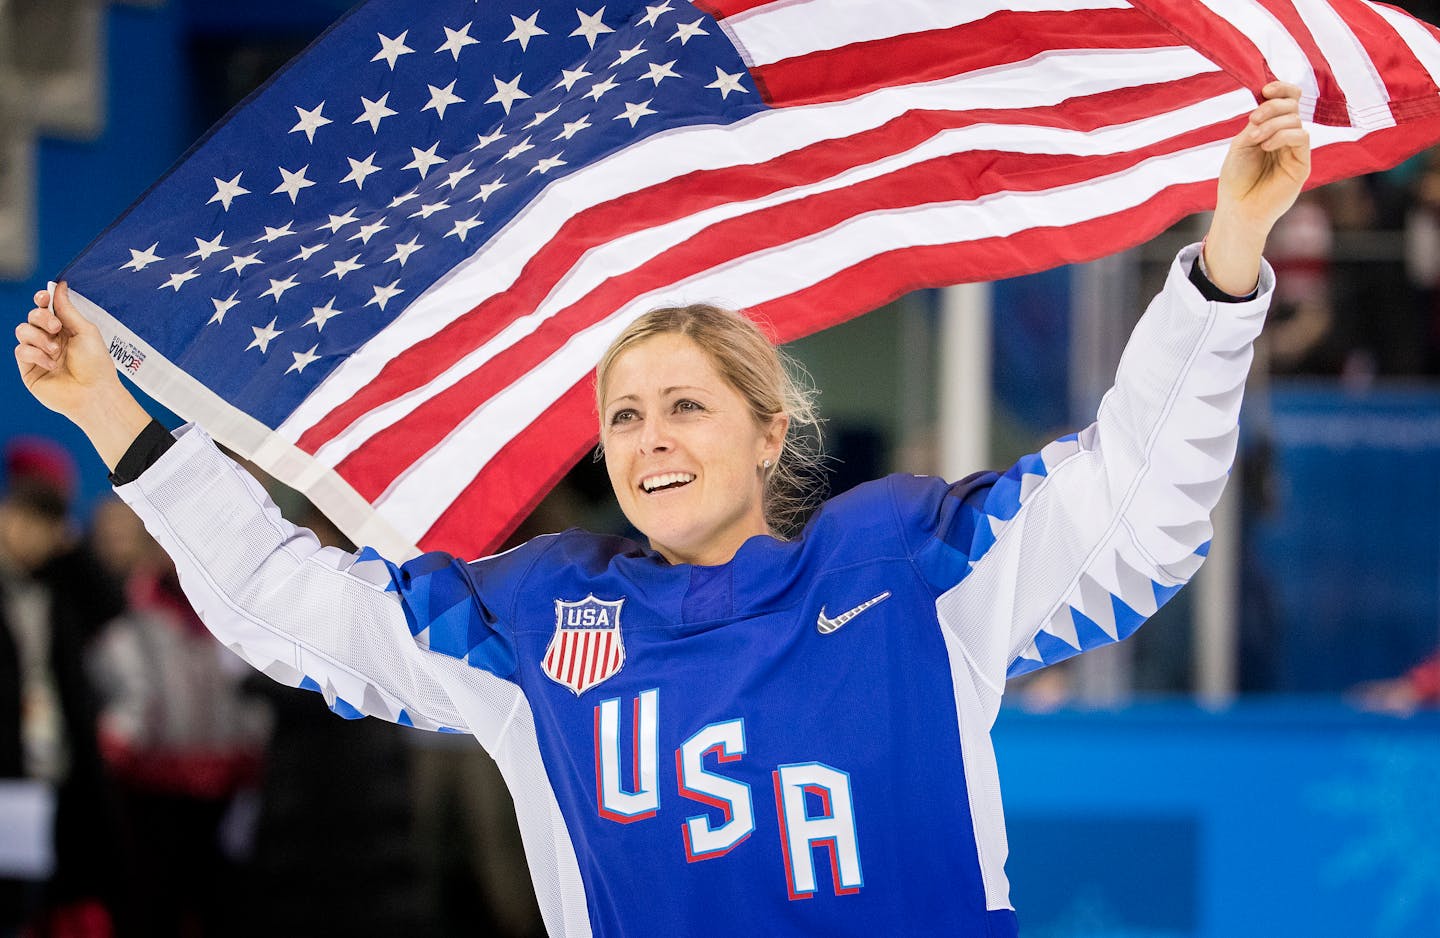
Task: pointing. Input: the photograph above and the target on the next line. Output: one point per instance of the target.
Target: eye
(687, 406)
(623, 416)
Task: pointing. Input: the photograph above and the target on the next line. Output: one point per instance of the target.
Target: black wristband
(147, 449)
(1211, 292)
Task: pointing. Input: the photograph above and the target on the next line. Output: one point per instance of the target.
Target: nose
(655, 436)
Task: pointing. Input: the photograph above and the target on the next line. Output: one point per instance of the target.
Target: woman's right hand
(63, 361)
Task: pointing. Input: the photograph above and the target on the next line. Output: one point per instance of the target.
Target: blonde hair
(770, 382)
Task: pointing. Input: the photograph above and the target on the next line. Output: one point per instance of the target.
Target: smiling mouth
(666, 481)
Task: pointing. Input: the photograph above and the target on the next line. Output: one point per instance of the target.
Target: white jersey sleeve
(306, 615)
(1083, 541)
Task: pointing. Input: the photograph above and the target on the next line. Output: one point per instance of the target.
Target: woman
(827, 700)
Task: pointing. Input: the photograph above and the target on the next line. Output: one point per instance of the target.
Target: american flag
(386, 276)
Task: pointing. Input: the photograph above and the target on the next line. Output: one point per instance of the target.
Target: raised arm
(346, 625)
(1076, 545)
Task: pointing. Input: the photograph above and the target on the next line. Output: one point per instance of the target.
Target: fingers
(27, 355)
(70, 317)
(1281, 89)
(43, 318)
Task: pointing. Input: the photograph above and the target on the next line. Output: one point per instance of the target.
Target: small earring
(765, 464)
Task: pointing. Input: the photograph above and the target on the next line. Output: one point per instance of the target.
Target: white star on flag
(203, 249)
(404, 197)
(375, 111)
(227, 192)
(569, 76)
(263, 336)
(404, 249)
(360, 170)
(320, 315)
(573, 127)
(275, 234)
(303, 358)
(590, 26)
(463, 226)
(653, 13)
(424, 159)
(487, 189)
(457, 39)
(525, 30)
(541, 117)
(178, 280)
(310, 121)
(725, 83)
(633, 112)
(239, 262)
(139, 260)
(222, 307)
(454, 179)
(600, 87)
(308, 252)
(484, 140)
(628, 54)
(687, 31)
(369, 231)
(293, 183)
(548, 163)
(342, 268)
(392, 49)
(518, 149)
(658, 73)
(278, 287)
(506, 93)
(337, 222)
(441, 98)
(430, 208)
(385, 294)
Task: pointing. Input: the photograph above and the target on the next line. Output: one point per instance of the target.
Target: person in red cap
(47, 710)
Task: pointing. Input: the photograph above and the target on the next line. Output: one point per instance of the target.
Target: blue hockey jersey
(794, 742)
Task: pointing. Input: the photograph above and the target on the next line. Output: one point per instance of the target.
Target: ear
(774, 437)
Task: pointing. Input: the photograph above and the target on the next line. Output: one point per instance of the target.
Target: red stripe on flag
(695, 192)
(719, 9)
(1412, 91)
(372, 467)
(1216, 38)
(1332, 106)
(577, 651)
(1002, 38)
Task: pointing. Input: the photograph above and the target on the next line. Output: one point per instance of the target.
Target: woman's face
(683, 451)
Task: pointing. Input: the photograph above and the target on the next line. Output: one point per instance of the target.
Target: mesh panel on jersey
(352, 633)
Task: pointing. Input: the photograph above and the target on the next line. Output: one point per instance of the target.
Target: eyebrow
(663, 392)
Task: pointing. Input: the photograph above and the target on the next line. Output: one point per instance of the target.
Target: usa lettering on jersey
(814, 802)
(587, 647)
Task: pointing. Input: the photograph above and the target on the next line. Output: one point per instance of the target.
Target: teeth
(669, 478)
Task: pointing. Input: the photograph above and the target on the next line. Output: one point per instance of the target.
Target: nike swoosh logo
(828, 625)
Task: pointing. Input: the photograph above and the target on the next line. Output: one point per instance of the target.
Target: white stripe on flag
(1366, 97)
(1282, 53)
(783, 30)
(1420, 41)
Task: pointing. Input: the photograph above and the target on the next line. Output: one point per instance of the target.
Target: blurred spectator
(117, 539)
(334, 850)
(179, 736)
(1422, 251)
(1418, 687)
(1301, 321)
(52, 598)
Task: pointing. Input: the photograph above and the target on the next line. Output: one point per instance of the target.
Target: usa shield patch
(586, 648)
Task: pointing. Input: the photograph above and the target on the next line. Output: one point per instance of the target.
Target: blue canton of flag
(407, 137)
